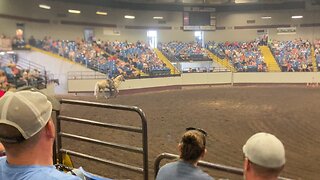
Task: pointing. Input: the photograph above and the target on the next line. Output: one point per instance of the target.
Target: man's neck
(255, 177)
(41, 157)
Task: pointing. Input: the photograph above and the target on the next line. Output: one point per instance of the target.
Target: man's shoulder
(170, 165)
(53, 174)
(3, 160)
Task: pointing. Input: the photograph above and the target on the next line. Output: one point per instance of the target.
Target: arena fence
(142, 130)
(219, 167)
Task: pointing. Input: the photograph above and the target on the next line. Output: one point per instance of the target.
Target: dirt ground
(230, 115)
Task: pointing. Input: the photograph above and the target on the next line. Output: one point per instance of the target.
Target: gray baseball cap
(27, 111)
(265, 149)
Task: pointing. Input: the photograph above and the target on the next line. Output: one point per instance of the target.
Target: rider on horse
(110, 81)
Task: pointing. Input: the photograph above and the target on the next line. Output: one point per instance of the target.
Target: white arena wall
(200, 79)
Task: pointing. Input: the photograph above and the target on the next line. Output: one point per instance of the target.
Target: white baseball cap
(265, 149)
(27, 111)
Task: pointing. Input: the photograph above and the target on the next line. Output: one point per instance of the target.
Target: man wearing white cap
(264, 157)
(27, 132)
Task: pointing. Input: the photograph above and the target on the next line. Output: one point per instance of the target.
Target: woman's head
(193, 144)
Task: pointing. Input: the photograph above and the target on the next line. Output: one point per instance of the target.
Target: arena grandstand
(232, 67)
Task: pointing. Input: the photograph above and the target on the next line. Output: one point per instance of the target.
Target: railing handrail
(219, 167)
(143, 130)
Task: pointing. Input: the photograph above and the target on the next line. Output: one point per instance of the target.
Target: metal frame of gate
(142, 130)
(219, 167)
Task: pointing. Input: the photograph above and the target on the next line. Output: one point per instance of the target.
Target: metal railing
(86, 75)
(142, 130)
(218, 167)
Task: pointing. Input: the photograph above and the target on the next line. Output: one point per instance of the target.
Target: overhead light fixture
(245, 1)
(74, 11)
(129, 17)
(266, 17)
(296, 17)
(158, 17)
(101, 13)
(43, 6)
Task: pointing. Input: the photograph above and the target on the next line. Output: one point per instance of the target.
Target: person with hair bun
(192, 148)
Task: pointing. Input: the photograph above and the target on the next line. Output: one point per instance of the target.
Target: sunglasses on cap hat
(197, 129)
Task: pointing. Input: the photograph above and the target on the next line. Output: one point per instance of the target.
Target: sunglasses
(198, 129)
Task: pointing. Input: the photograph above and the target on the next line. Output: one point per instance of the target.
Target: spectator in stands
(3, 80)
(27, 132)
(32, 41)
(1, 148)
(264, 157)
(192, 148)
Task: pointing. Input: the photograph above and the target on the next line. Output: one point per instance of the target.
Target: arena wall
(200, 79)
(231, 26)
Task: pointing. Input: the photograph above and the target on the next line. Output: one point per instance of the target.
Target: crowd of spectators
(293, 55)
(180, 51)
(245, 56)
(317, 52)
(113, 58)
(5, 43)
(139, 55)
(12, 75)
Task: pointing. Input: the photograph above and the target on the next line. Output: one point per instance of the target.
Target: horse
(103, 84)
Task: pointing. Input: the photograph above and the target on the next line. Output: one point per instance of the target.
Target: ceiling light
(157, 17)
(296, 17)
(44, 6)
(245, 1)
(74, 11)
(129, 17)
(266, 17)
(101, 13)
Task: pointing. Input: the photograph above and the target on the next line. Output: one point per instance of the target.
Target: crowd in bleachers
(180, 51)
(317, 52)
(293, 55)
(5, 43)
(113, 58)
(13, 76)
(245, 56)
(140, 55)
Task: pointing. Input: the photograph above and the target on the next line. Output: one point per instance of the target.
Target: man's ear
(246, 164)
(180, 147)
(50, 129)
(204, 152)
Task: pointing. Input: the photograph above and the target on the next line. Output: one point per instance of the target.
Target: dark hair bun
(189, 140)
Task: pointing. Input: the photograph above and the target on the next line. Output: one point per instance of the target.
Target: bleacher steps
(223, 62)
(165, 60)
(269, 59)
(314, 61)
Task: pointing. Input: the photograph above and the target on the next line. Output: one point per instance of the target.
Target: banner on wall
(286, 30)
(88, 35)
(111, 32)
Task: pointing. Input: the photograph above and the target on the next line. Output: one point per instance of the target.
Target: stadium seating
(245, 56)
(140, 56)
(179, 51)
(292, 55)
(317, 52)
(112, 58)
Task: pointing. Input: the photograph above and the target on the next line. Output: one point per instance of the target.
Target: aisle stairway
(314, 61)
(269, 59)
(223, 62)
(164, 59)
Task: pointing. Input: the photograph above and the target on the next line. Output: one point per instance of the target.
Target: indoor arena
(128, 80)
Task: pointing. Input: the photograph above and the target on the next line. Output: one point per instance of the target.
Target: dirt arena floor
(230, 115)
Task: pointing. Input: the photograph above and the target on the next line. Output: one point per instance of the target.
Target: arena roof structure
(178, 5)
